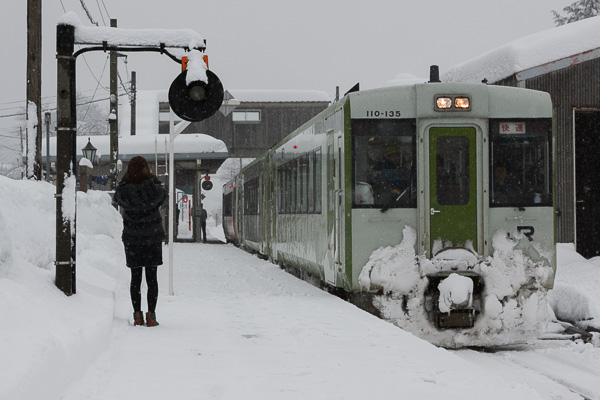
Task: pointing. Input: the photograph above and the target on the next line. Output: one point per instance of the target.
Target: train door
(329, 265)
(587, 188)
(339, 198)
(453, 188)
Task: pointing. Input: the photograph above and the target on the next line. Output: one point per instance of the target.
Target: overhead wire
(88, 12)
(94, 94)
(101, 15)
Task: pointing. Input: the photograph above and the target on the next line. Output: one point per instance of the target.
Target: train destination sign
(512, 128)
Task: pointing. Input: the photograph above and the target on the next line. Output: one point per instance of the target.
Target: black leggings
(136, 285)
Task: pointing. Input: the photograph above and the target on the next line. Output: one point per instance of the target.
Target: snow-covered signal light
(197, 100)
(185, 198)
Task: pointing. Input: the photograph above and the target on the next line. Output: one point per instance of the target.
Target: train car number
(388, 114)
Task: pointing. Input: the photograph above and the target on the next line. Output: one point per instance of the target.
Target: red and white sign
(512, 128)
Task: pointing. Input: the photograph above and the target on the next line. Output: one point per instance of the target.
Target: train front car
(452, 219)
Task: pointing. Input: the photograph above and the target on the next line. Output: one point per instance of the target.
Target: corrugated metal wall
(577, 86)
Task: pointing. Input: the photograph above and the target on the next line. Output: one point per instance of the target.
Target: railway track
(555, 369)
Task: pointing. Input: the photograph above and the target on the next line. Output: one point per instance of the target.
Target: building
(257, 120)
(565, 62)
(249, 123)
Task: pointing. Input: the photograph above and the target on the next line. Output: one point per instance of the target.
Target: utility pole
(47, 118)
(66, 160)
(133, 99)
(34, 84)
(114, 114)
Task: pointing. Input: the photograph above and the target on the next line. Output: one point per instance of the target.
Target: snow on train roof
(529, 52)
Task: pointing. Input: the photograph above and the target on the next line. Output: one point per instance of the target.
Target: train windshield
(520, 163)
(384, 167)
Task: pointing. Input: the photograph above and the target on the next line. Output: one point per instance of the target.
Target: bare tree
(577, 11)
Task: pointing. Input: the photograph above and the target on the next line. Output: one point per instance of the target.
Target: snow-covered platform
(237, 327)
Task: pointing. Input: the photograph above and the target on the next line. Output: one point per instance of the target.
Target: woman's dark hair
(138, 170)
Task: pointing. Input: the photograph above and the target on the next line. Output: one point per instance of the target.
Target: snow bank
(513, 303)
(42, 329)
(575, 296)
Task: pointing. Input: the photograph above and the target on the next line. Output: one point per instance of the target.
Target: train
(430, 205)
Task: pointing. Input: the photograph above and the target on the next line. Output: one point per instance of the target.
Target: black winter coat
(142, 222)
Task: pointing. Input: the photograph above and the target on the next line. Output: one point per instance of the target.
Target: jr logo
(528, 231)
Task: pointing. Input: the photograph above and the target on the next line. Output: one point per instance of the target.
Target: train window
(453, 182)
(384, 163)
(251, 197)
(318, 192)
(520, 163)
(300, 183)
(228, 205)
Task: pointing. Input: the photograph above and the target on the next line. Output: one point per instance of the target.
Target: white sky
(280, 44)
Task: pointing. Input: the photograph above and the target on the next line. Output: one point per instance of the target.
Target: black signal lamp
(198, 100)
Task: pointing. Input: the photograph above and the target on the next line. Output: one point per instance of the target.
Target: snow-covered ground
(237, 326)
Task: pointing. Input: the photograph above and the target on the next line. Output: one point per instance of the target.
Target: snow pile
(513, 301)
(43, 330)
(575, 296)
(380, 270)
(456, 291)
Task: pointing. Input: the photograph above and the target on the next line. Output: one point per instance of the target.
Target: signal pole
(34, 84)
(114, 114)
(133, 99)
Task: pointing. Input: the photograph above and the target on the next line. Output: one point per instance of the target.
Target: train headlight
(462, 103)
(443, 103)
(450, 103)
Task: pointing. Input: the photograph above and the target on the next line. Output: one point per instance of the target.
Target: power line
(88, 12)
(107, 14)
(54, 108)
(101, 15)
(94, 95)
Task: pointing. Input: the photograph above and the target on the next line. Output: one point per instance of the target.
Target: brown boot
(151, 319)
(138, 318)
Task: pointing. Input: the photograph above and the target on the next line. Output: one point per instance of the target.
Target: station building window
(245, 116)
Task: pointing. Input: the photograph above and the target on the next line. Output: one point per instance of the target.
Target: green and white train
(434, 201)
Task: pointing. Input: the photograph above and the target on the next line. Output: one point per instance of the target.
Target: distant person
(140, 195)
(203, 217)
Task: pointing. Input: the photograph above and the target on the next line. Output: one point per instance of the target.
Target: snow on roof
(139, 145)
(273, 96)
(179, 38)
(529, 52)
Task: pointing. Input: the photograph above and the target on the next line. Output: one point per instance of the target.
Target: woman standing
(140, 195)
